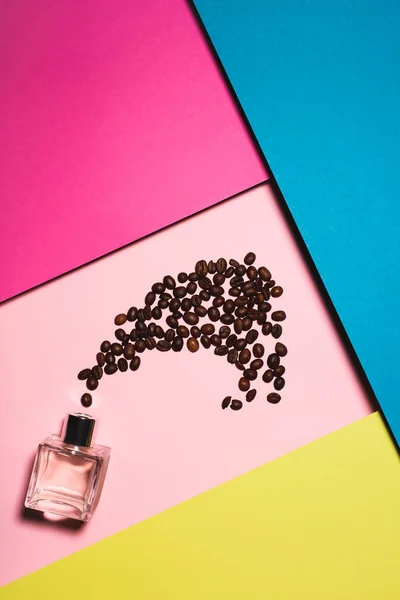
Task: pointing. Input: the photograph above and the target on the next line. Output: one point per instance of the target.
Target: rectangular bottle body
(67, 480)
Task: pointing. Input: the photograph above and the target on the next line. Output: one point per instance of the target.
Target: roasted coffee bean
(238, 326)
(159, 332)
(277, 331)
(169, 335)
(110, 369)
(241, 301)
(120, 334)
(141, 315)
(251, 336)
(221, 265)
(234, 263)
(192, 344)
(229, 272)
(264, 273)
(221, 350)
(226, 402)
(268, 376)
(240, 270)
(191, 287)
(196, 300)
(234, 291)
(236, 281)
(231, 340)
(163, 346)
(182, 277)
(216, 290)
(158, 287)
(147, 310)
(244, 384)
(218, 301)
(256, 364)
(259, 284)
(169, 282)
(86, 400)
(205, 283)
(232, 356)
(190, 318)
(252, 313)
(92, 383)
(150, 343)
(270, 284)
(279, 371)
(193, 277)
(172, 322)
(84, 374)
(213, 313)
(278, 315)
(241, 311)
(132, 313)
(244, 356)
(273, 361)
(258, 350)
(229, 306)
(201, 311)
(208, 329)
(212, 267)
(126, 339)
(252, 273)
(259, 298)
(97, 372)
(186, 304)
(247, 324)
(280, 349)
(180, 292)
(105, 346)
(219, 279)
(262, 317)
(273, 398)
(224, 331)
(129, 351)
(163, 304)
(135, 363)
(205, 340)
(239, 366)
(227, 319)
(156, 313)
(236, 404)
(165, 296)
(201, 268)
(109, 358)
(249, 258)
(141, 327)
(250, 374)
(122, 365)
(240, 344)
(174, 305)
(264, 307)
(140, 346)
(276, 291)
(251, 394)
(182, 331)
(266, 293)
(117, 349)
(267, 328)
(204, 295)
(279, 383)
(195, 331)
(100, 359)
(215, 340)
(120, 319)
(150, 298)
(250, 291)
(177, 344)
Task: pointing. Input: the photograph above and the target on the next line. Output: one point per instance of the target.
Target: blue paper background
(320, 85)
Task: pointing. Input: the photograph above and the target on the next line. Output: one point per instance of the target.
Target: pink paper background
(169, 436)
(114, 123)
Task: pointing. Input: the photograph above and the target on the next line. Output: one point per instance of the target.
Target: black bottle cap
(78, 429)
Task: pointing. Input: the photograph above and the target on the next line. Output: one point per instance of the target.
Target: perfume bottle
(68, 474)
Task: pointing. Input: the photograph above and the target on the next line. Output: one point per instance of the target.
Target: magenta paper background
(169, 437)
(114, 123)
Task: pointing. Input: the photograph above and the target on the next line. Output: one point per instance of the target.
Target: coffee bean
(201, 268)
(84, 374)
(182, 277)
(240, 344)
(277, 331)
(213, 313)
(271, 284)
(182, 331)
(229, 306)
(126, 340)
(177, 344)
(264, 273)
(251, 336)
(205, 283)
(218, 301)
(204, 295)
(247, 323)
(227, 319)
(244, 384)
(249, 258)
(117, 349)
(233, 291)
(110, 369)
(193, 277)
(86, 400)
(236, 404)
(229, 272)
(120, 334)
(244, 356)
(273, 398)
(239, 366)
(186, 304)
(280, 349)
(241, 311)
(163, 346)
(278, 315)
(221, 350)
(141, 315)
(252, 273)
(165, 296)
(196, 300)
(234, 263)
(212, 267)
(268, 376)
(120, 319)
(240, 270)
(150, 298)
(250, 374)
(279, 371)
(224, 332)
(105, 346)
(232, 356)
(150, 343)
(279, 383)
(129, 351)
(250, 291)
(156, 313)
(276, 291)
(262, 317)
(205, 340)
(171, 322)
(92, 383)
(259, 298)
(174, 305)
(238, 326)
(109, 358)
(147, 310)
(231, 340)
(216, 290)
(215, 340)
(97, 372)
(195, 331)
(169, 282)
(207, 328)
(163, 304)
(122, 365)
(219, 279)
(273, 361)
(221, 265)
(258, 350)
(265, 292)
(251, 394)
(135, 363)
(140, 346)
(132, 313)
(141, 326)
(169, 335)
(236, 281)
(180, 292)
(256, 364)
(100, 359)
(226, 402)
(192, 344)
(190, 318)
(201, 311)
(191, 287)
(266, 328)
(159, 331)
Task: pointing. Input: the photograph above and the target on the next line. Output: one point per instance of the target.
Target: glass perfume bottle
(68, 474)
